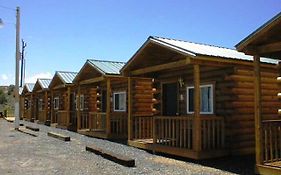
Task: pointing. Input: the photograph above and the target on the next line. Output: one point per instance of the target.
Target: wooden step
(32, 128)
(117, 158)
(59, 136)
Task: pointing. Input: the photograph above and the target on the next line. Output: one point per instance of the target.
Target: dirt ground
(21, 153)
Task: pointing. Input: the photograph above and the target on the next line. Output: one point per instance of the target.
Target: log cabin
(26, 96)
(102, 100)
(42, 101)
(265, 42)
(199, 101)
(63, 94)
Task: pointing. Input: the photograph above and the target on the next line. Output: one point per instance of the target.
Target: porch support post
(52, 106)
(45, 106)
(108, 104)
(197, 121)
(258, 127)
(78, 108)
(32, 107)
(68, 107)
(129, 108)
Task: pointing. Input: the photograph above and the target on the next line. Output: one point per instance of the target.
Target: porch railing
(142, 127)
(271, 137)
(119, 124)
(62, 117)
(177, 131)
(41, 116)
(27, 113)
(212, 132)
(174, 131)
(84, 120)
(97, 121)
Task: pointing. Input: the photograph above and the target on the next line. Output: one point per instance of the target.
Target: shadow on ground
(244, 165)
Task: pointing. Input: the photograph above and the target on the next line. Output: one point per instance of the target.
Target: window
(40, 104)
(82, 102)
(119, 99)
(56, 103)
(206, 99)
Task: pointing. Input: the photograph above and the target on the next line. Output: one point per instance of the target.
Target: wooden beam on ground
(22, 130)
(59, 136)
(32, 128)
(117, 158)
(92, 80)
(160, 67)
(197, 121)
(258, 127)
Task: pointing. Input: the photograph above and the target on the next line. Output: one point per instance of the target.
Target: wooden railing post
(108, 104)
(257, 86)
(78, 108)
(197, 121)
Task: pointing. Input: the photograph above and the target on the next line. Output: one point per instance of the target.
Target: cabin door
(170, 99)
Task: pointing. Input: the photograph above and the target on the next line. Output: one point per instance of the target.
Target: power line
(8, 8)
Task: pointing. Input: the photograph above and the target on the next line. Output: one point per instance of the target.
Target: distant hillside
(7, 99)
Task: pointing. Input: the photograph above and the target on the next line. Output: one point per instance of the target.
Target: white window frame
(56, 105)
(125, 105)
(211, 96)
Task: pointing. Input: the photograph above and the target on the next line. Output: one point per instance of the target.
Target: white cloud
(4, 77)
(33, 78)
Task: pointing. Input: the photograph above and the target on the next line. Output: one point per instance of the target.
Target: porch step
(32, 128)
(59, 136)
(117, 158)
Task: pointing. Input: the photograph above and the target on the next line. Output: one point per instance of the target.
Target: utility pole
(17, 69)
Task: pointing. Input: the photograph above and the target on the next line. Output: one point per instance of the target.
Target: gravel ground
(24, 154)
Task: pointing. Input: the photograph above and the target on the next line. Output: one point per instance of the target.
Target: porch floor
(98, 134)
(276, 164)
(141, 143)
(147, 144)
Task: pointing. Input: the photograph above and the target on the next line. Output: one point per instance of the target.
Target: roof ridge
(66, 72)
(90, 59)
(212, 45)
(44, 79)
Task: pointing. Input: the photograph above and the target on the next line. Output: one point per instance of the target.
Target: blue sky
(62, 34)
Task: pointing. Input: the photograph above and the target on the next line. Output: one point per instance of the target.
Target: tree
(3, 98)
(11, 89)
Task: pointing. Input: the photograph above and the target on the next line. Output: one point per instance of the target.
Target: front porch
(94, 124)
(176, 135)
(270, 147)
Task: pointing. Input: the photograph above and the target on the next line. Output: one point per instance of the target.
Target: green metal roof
(106, 67)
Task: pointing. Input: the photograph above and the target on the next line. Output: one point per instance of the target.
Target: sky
(62, 34)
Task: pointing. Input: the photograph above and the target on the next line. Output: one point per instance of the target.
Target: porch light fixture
(181, 82)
